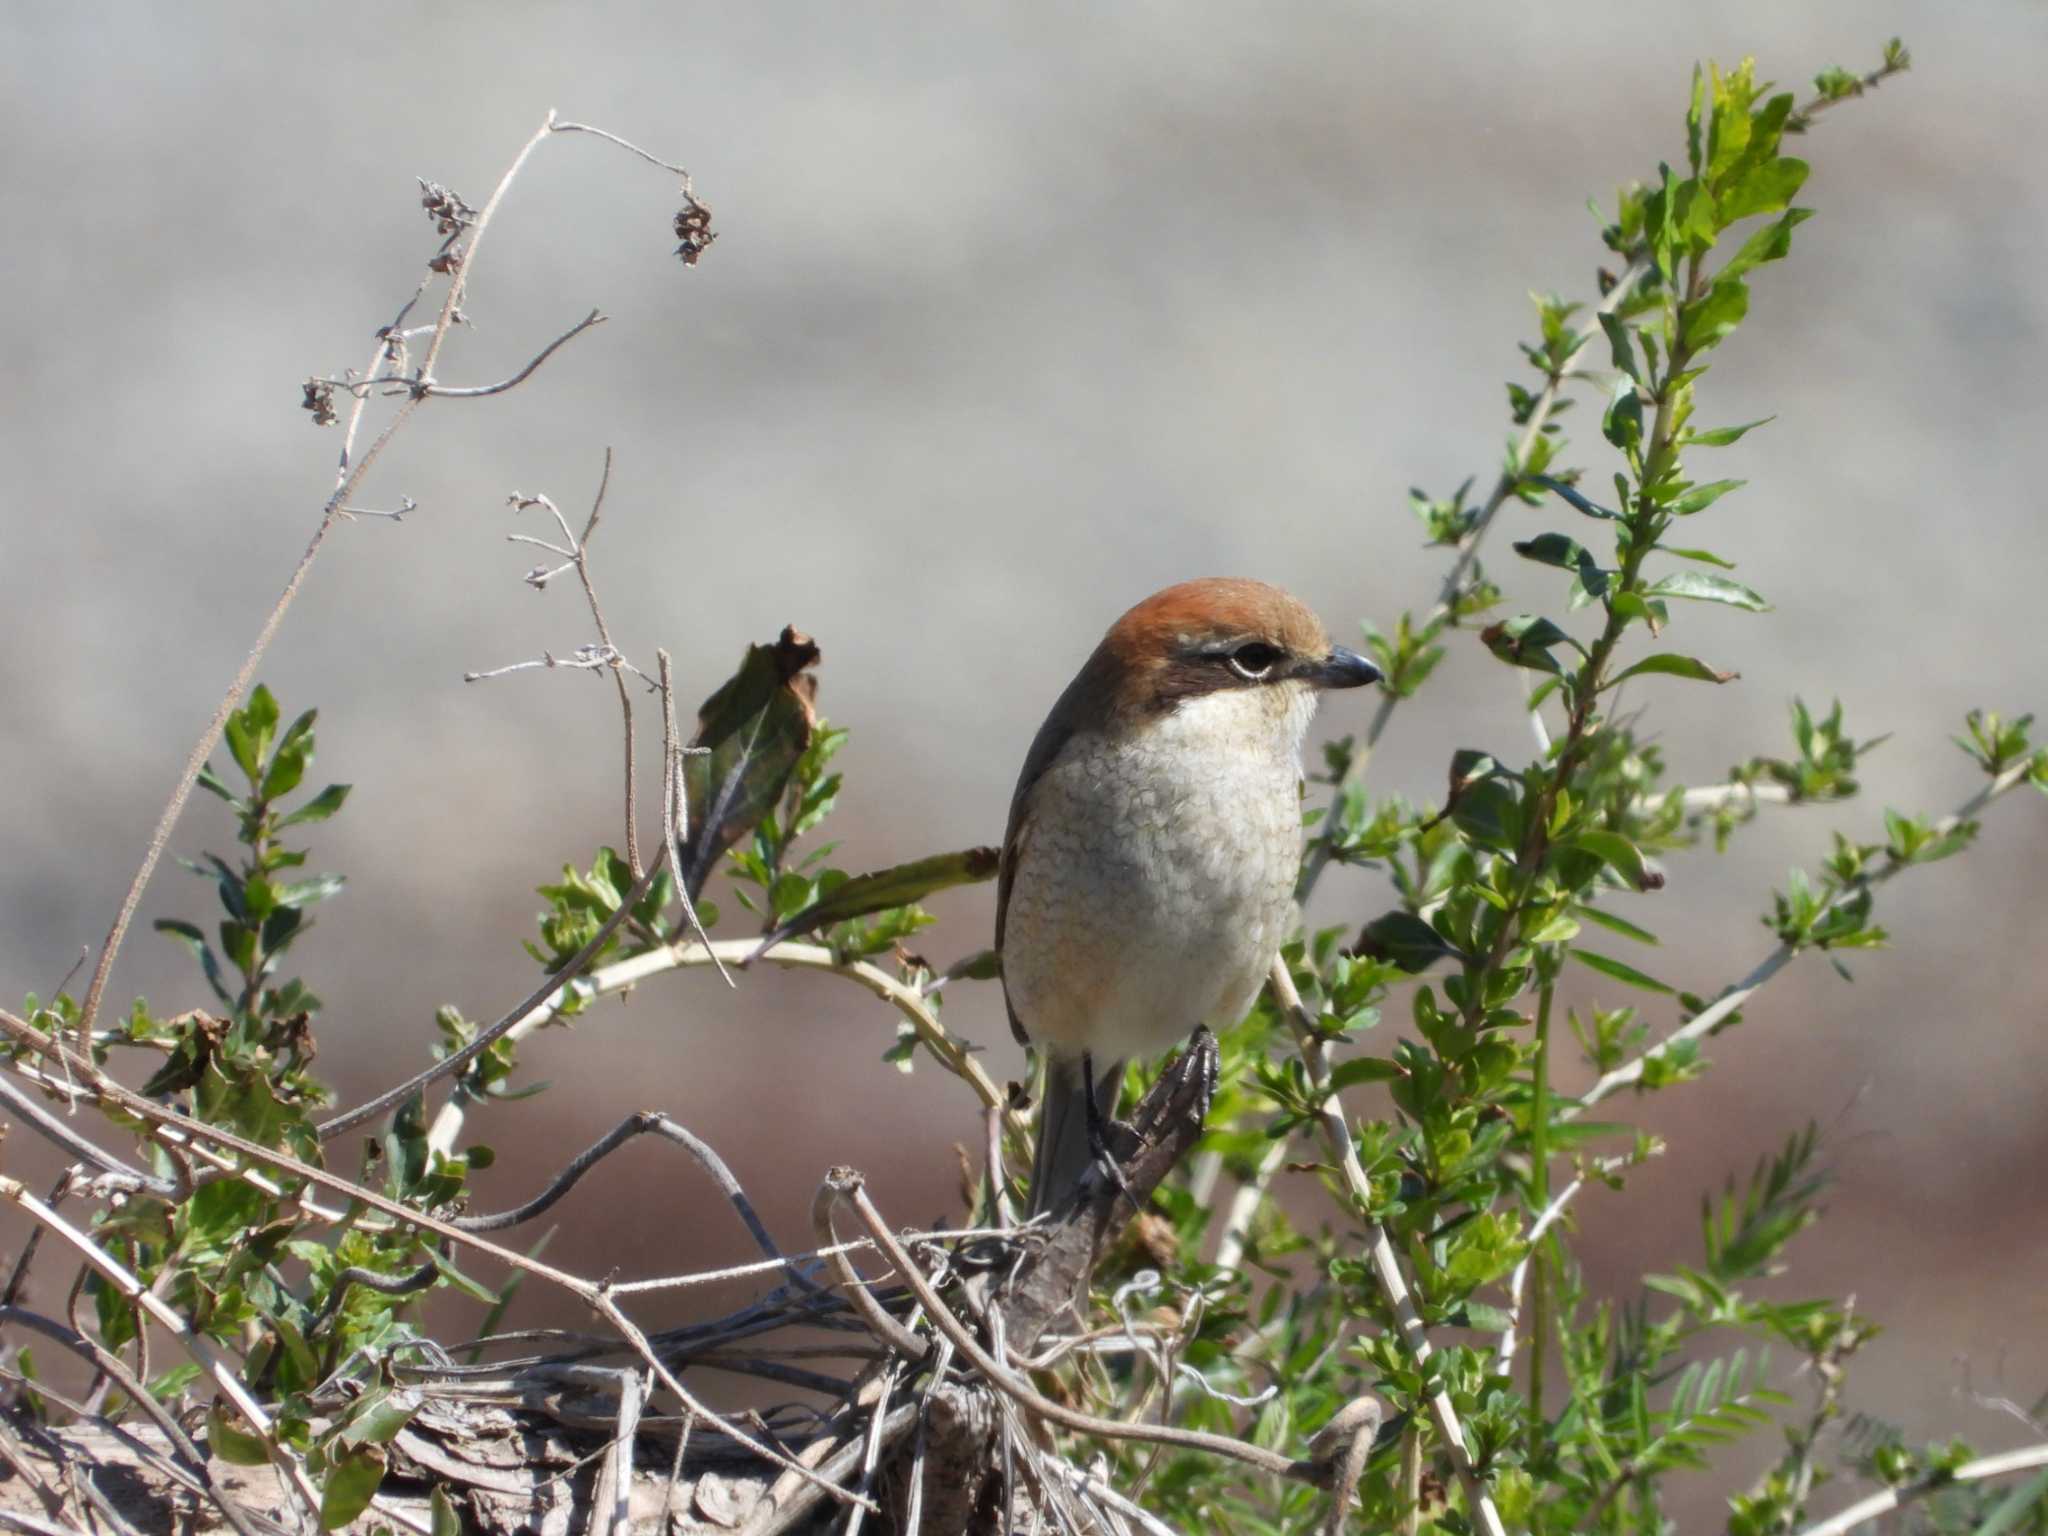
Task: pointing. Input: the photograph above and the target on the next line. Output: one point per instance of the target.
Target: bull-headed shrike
(1154, 841)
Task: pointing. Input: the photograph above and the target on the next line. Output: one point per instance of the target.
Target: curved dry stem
(565, 987)
(846, 1184)
(1863, 1511)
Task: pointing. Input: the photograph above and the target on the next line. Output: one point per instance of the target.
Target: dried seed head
(693, 229)
(448, 211)
(320, 401)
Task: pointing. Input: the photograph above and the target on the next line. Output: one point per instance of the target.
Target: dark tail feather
(1063, 1152)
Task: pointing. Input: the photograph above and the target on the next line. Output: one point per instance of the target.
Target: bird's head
(1221, 635)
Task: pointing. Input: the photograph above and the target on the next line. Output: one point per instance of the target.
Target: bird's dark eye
(1254, 660)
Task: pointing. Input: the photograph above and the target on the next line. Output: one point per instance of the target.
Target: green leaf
(1364, 1069)
(207, 779)
(1721, 437)
(1622, 425)
(442, 1519)
(288, 763)
(1765, 189)
(1566, 554)
(1674, 665)
(1701, 587)
(167, 1386)
(1619, 854)
(1709, 319)
(1617, 333)
(249, 731)
(755, 728)
(1700, 497)
(352, 1481)
(303, 893)
(190, 936)
(1621, 971)
(1402, 939)
(1704, 556)
(1489, 813)
(319, 808)
(884, 888)
(473, 1288)
(378, 1417)
(2014, 1507)
(1571, 495)
(1771, 243)
(235, 1446)
(1526, 641)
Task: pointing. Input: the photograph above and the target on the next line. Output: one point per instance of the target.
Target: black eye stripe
(1254, 660)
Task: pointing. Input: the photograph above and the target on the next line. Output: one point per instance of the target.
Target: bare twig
(625, 144)
(645, 1123)
(884, 1327)
(536, 1001)
(426, 387)
(1504, 1354)
(675, 808)
(1245, 1203)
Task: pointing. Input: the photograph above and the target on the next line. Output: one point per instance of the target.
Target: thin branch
(675, 808)
(1504, 1353)
(1347, 1440)
(604, 634)
(1886, 1500)
(1315, 1055)
(555, 986)
(626, 144)
(645, 1123)
(77, 1146)
(427, 388)
(1732, 997)
(1245, 1203)
(623, 975)
(1712, 797)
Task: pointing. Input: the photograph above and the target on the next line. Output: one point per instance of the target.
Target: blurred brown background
(1014, 317)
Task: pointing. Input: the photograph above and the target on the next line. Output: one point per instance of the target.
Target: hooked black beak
(1342, 669)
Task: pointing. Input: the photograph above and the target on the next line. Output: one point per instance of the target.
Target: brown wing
(1079, 701)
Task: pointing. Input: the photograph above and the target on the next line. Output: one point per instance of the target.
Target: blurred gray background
(1015, 315)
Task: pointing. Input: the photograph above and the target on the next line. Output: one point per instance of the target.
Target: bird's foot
(1100, 1123)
